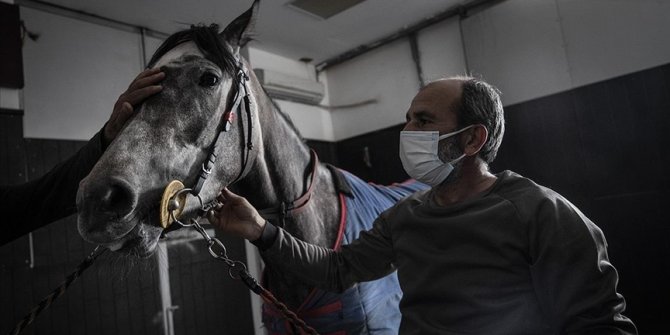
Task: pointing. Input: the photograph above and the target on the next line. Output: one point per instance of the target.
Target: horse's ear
(239, 32)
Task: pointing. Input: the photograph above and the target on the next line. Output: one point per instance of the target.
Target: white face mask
(418, 153)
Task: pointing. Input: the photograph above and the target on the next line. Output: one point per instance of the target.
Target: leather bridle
(242, 104)
(174, 197)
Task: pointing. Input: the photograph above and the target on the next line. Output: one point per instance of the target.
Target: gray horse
(213, 115)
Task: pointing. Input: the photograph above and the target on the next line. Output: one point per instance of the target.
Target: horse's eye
(208, 79)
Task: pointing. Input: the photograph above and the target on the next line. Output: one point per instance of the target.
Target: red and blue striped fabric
(366, 308)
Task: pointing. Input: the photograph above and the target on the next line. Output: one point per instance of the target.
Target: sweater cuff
(267, 238)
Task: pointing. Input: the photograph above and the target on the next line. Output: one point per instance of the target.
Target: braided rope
(49, 299)
(290, 316)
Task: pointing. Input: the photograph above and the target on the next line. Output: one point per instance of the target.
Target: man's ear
(475, 138)
(239, 32)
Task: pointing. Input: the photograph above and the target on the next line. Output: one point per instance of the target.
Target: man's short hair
(480, 104)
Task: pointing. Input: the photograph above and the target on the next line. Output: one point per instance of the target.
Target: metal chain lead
(238, 270)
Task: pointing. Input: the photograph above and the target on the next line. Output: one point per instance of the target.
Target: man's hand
(237, 216)
(142, 87)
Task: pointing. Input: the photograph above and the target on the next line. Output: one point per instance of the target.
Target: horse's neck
(279, 165)
(281, 173)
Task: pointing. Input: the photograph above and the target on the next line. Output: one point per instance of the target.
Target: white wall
(313, 122)
(76, 70)
(517, 46)
(527, 48)
(386, 74)
(606, 38)
(73, 74)
(10, 98)
(530, 49)
(151, 44)
(441, 51)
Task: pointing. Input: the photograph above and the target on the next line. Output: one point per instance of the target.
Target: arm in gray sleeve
(574, 281)
(367, 258)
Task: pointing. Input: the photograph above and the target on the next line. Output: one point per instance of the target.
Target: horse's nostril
(116, 198)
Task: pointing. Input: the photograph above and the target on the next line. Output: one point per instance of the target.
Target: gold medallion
(178, 203)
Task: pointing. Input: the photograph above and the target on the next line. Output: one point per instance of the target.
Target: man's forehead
(436, 101)
(446, 88)
(442, 93)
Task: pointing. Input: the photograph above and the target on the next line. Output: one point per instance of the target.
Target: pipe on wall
(459, 10)
(89, 17)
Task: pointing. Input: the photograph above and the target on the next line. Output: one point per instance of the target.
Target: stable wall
(73, 74)
(585, 86)
(77, 69)
(9, 97)
(314, 122)
(528, 49)
(388, 75)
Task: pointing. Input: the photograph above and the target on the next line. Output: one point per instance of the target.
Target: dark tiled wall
(12, 154)
(111, 297)
(605, 147)
(116, 295)
(11, 61)
(372, 156)
(210, 302)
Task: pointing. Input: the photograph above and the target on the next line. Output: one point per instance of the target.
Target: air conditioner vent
(286, 87)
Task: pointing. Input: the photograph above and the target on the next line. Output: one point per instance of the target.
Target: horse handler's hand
(142, 87)
(236, 216)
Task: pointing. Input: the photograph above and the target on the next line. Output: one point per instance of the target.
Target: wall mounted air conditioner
(286, 87)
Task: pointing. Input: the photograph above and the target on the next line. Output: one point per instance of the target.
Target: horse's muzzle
(104, 204)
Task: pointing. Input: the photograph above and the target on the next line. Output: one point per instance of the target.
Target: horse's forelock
(207, 40)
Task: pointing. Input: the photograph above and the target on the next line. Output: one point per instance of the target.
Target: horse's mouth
(140, 241)
(136, 246)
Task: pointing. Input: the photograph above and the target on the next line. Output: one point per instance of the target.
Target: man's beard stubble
(449, 150)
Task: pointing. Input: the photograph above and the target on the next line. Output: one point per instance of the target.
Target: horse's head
(170, 137)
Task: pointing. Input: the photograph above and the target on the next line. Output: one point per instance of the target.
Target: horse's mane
(284, 115)
(207, 39)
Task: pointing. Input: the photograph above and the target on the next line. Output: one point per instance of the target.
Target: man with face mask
(478, 253)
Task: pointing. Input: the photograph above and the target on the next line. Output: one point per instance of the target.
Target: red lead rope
(290, 316)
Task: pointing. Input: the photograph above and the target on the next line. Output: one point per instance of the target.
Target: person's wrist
(267, 237)
(258, 229)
